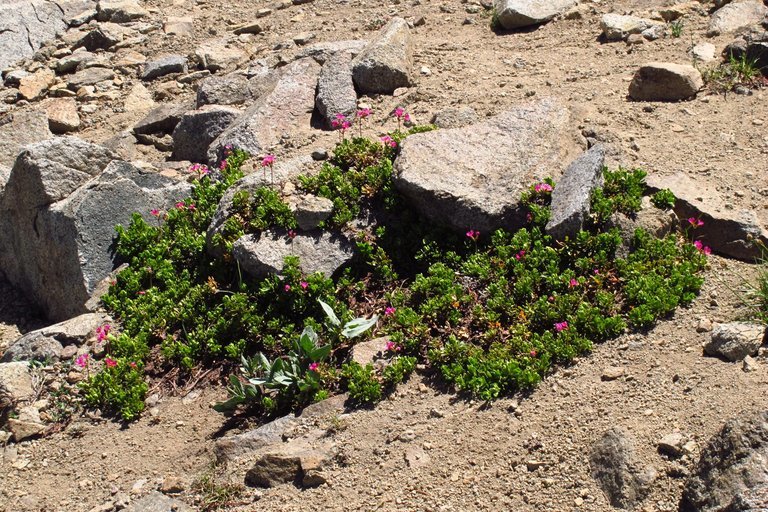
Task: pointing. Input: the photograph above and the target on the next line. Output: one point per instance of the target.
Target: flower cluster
(542, 187)
(561, 326)
(341, 122)
(473, 234)
(102, 332)
(389, 141)
(695, 223)
(702, 248)
(200, 169)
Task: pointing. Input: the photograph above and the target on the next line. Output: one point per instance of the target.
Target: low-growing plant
(664, 199)
(676, 28)
(364, 388)
(736, 71)
(119, 387)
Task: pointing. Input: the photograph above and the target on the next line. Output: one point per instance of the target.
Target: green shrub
(364, 388)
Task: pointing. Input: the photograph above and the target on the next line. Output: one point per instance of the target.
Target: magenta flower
(132, 365)
(180, 205)
(291, 234)
(533, 353)
(561, 326)
(702, 248)
(399, 112)
(473, 234)
(520, 255)
(542, 187)
(141, 292)
(102, 332)
(393, 347)
(696, 223)
(304, 285)
(111, 363)
(573, 283)
(82, 360)
(363, 113)
(389, 141)
(268, 160)
(154, 212)
(287, 287)
(191, 207)
(313, 367)
(389, 311)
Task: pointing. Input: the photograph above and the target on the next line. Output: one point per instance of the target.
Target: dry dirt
(476, 458)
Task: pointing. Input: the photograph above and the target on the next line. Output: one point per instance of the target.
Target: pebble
(612, 373)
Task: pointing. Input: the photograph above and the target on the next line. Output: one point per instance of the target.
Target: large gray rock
(26, 24)
(335, 89)
(732, 469)
(264, 254)
(47, 343)
(735, 340)
(161, 120)
(232, 89)
(737, 15)
(24, 128)
(454, 117)
(663, 81)
(58, 214)
(513, 14)
(472, 177)
(283, 112)
(734, 233)
(614, 466)
(387, 62)
(158, 502)
(198, 128)
(617, 27)
(573, 193)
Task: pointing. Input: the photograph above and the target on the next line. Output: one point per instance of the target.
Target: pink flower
(180, 205)
(533, 353)
(389, 141)
(561, 326)
(573, 283)
(191, 207)
(304, 285)
(287, 287)
(141, 292)
(345, 125)
(313, 367)
(291, 234)
(110, 362)
(82, 360)
(268, 160)
(363, 113)
(696, 223)
(520, 255)
(596, 271)
(132, 364)
(407, 118)
(542, 187)
(154, 212)
(102, 332)
(473, 234)
(399, 112)
(702, 248)
(393, 347)
(222, 165)
(389, 311)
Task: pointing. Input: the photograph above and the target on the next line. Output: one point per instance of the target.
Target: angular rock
(658, 223)
(321, 52)
(672, 444)
(286, 110)
(72, 62)
(734, 233)
(23, 129)
(102, 37)
(217, 56)
(16, 381)
(158, 502)
(736, 340)
(514, 14)
(296, 461)
(737, 15)
(617, 27)
(704, 52)
(179, 26)
(732, 470)
(34, 86)
(472, 177)
(139, 100)
(198, 128)
(223, 90)
(614, 466)
(57, 218)
(371, 351)
(261, 255)
(22, 429)
(25, 26)
(662, 81)
(120, 11)
(335, 89)
(89, 76)
(162, 120)
(164, 66)
(62, 115)
(455, 117)
(573, 193)
(46, 344)
(387, 62)
(310, 210)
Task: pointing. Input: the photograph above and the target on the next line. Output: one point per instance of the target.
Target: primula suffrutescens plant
(490, 313)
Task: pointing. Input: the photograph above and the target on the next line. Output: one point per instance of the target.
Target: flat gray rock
(321, 52)
(513, 14)
(615, 467)
(158, 502)
(664, 81)
(617, 27)
(387, 62)
(24, 128)
(161, 120)
(735, 340)
(223, 90)
(335, 89)
(198, 128)
(120, 11)
(26, 25)
(737, 15)
(472, 177)
(573, 193)
(164, 66)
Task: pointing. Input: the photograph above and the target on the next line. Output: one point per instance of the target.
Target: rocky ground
(423, 448)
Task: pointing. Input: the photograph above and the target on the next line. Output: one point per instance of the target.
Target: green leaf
(358, 326)
(329, 312)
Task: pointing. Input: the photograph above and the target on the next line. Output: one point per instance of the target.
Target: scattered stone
(286, 110)
(198, 128)
(416, 457)
(672, 444)
(179, 26)
(89, 76)
(661, 81)
(335, 89)
(172, 485)
(218, 56)
(139, 100)
(103, 37)
(736, 340)
(54, 250)
(455, 117)
(249, 28)
(22, 429)
(453, 178)
(62, 115)
(223, 90)
(387, 62)
(163, 120)
(615, 468)
(750, 364)
(76, 60)
(300, 461)
(304, 38)
(120, 11)
(164, 66)
(704, 325)
(261, 255)
(24, 128)
(704, 52)
(573, 193)
(371, 351)
(617, 27)
(731, 469)
(737, 15)
(321, 52)
(33, 87)
(612, 373)
(310, 210)
(158, 502)
(734, 233)
(514, 14)
(16, 381)
(47, 344)
(677, 11)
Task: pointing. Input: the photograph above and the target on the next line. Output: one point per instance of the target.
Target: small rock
(704, 52)
(614, 466)
(22, 430)
(407, 436)
(304, 38)
(172, 485)
(164, 66)
(62, 115)
(672, 444)
(33, 87)
(120, 11)
(617, 27)
(704, 325)
(736, 340)
(515, 14)
(157, 502)
(249, 28)
(612, 373)
(387, 62)
(198, 129)
(750, 364)
(416, 457)
(660, 81)
(179, 26)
